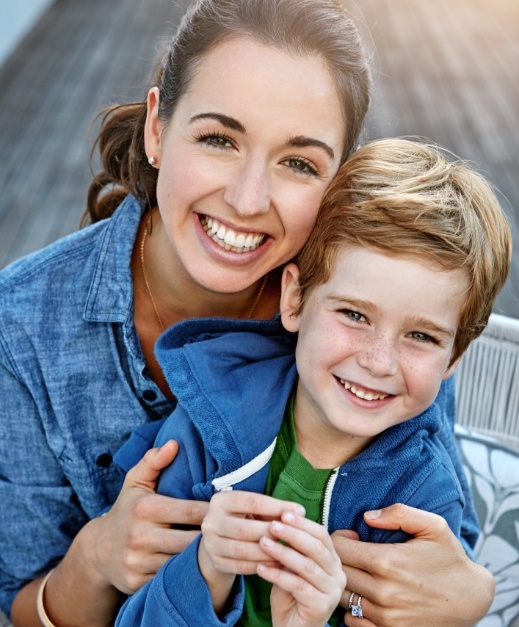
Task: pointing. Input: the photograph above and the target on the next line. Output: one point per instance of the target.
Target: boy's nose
(248, 193)
(380, 358)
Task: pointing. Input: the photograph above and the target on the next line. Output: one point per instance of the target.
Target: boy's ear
(450, 370)
(290, 297)
(153, 127)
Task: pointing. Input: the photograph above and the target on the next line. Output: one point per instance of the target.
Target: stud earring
(151, 160)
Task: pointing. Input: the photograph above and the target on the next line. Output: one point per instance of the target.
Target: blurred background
(447, 70)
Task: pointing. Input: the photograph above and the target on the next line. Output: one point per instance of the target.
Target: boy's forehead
(390, 282)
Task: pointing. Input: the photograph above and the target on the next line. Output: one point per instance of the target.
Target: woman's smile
(231, 239)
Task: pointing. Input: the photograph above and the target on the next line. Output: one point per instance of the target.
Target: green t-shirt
(291, 478)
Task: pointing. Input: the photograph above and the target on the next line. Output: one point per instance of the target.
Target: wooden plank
(448, 71)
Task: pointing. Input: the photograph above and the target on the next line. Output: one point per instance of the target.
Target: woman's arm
(116, 553)
(428, 580)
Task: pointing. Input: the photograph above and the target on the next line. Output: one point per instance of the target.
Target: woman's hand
(134, 539)
(308, 579)
(428, 580)
(115, 553)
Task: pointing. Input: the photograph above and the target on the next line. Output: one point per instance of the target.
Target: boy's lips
(364, 393)
(229, 239)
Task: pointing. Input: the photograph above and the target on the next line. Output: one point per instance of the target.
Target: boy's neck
(322, 446)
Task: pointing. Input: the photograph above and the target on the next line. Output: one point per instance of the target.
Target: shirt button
(104, 460)
(149, 395)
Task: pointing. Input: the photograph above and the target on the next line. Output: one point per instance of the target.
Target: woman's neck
(176, 296)
(164, 294)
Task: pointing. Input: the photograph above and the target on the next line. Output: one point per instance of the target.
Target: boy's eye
(301, 165)
(421, 337)
(353, 315)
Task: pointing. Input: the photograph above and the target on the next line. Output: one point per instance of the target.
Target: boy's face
(375, 341)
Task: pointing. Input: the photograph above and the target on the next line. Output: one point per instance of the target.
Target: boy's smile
(375, 342)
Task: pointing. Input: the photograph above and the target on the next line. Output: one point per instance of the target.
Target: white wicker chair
(487, 389)
(487, 385)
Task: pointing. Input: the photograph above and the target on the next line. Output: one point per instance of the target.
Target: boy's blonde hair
(403, 197)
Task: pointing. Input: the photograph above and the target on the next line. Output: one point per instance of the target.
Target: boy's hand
(234, 525)
(309, 583)
(231, 532)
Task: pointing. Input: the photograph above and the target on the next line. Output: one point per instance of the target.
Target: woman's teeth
(229, 239)
(367, 396)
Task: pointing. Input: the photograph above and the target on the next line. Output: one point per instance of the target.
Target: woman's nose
(249, 191)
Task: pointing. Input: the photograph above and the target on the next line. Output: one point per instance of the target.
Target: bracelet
(42, 614)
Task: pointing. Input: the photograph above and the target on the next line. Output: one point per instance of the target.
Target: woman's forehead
(256, 84)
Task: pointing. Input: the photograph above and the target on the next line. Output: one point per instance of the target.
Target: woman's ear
(153, 128)
(290, 297)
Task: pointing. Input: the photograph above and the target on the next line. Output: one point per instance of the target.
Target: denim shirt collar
(110, 295)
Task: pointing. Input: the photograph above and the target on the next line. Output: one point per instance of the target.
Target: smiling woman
(210, 183)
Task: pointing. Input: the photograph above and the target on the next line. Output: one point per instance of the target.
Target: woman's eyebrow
(225, 120)
(300, 141)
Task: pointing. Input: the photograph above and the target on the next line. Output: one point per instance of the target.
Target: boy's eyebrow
(363, 305)
(435, 328)
(299, 141)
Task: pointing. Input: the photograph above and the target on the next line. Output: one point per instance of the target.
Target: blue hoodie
(232, 379)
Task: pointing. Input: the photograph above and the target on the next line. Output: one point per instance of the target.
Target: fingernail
(371, 515)
(267, 541)
(288, 517)
(300, 510)
(276, 526)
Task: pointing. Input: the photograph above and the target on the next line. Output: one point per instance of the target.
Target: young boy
(398, 277)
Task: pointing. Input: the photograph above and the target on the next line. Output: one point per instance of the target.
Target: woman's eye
(301, 165)
(216, 140)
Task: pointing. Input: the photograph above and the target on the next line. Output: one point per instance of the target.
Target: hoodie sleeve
(440, 493)
(446, 400)
(178, 595)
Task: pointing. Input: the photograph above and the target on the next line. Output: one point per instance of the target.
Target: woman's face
(244, 162)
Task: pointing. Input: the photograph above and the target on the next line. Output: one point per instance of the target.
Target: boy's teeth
(229, 239)
(367, 396)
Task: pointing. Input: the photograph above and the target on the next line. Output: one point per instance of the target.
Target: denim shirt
(73, 385)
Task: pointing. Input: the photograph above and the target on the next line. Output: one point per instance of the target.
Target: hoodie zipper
(327, 499)
(226, 482)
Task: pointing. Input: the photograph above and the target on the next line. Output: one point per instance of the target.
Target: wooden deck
(444, 70)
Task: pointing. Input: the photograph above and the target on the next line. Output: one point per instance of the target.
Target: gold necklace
(146, 232)
(260, 294)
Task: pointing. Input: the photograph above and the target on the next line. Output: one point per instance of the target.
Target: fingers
(233, 527)
(146, 472)
(311, 571)
(413, 521)
(252, 504)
